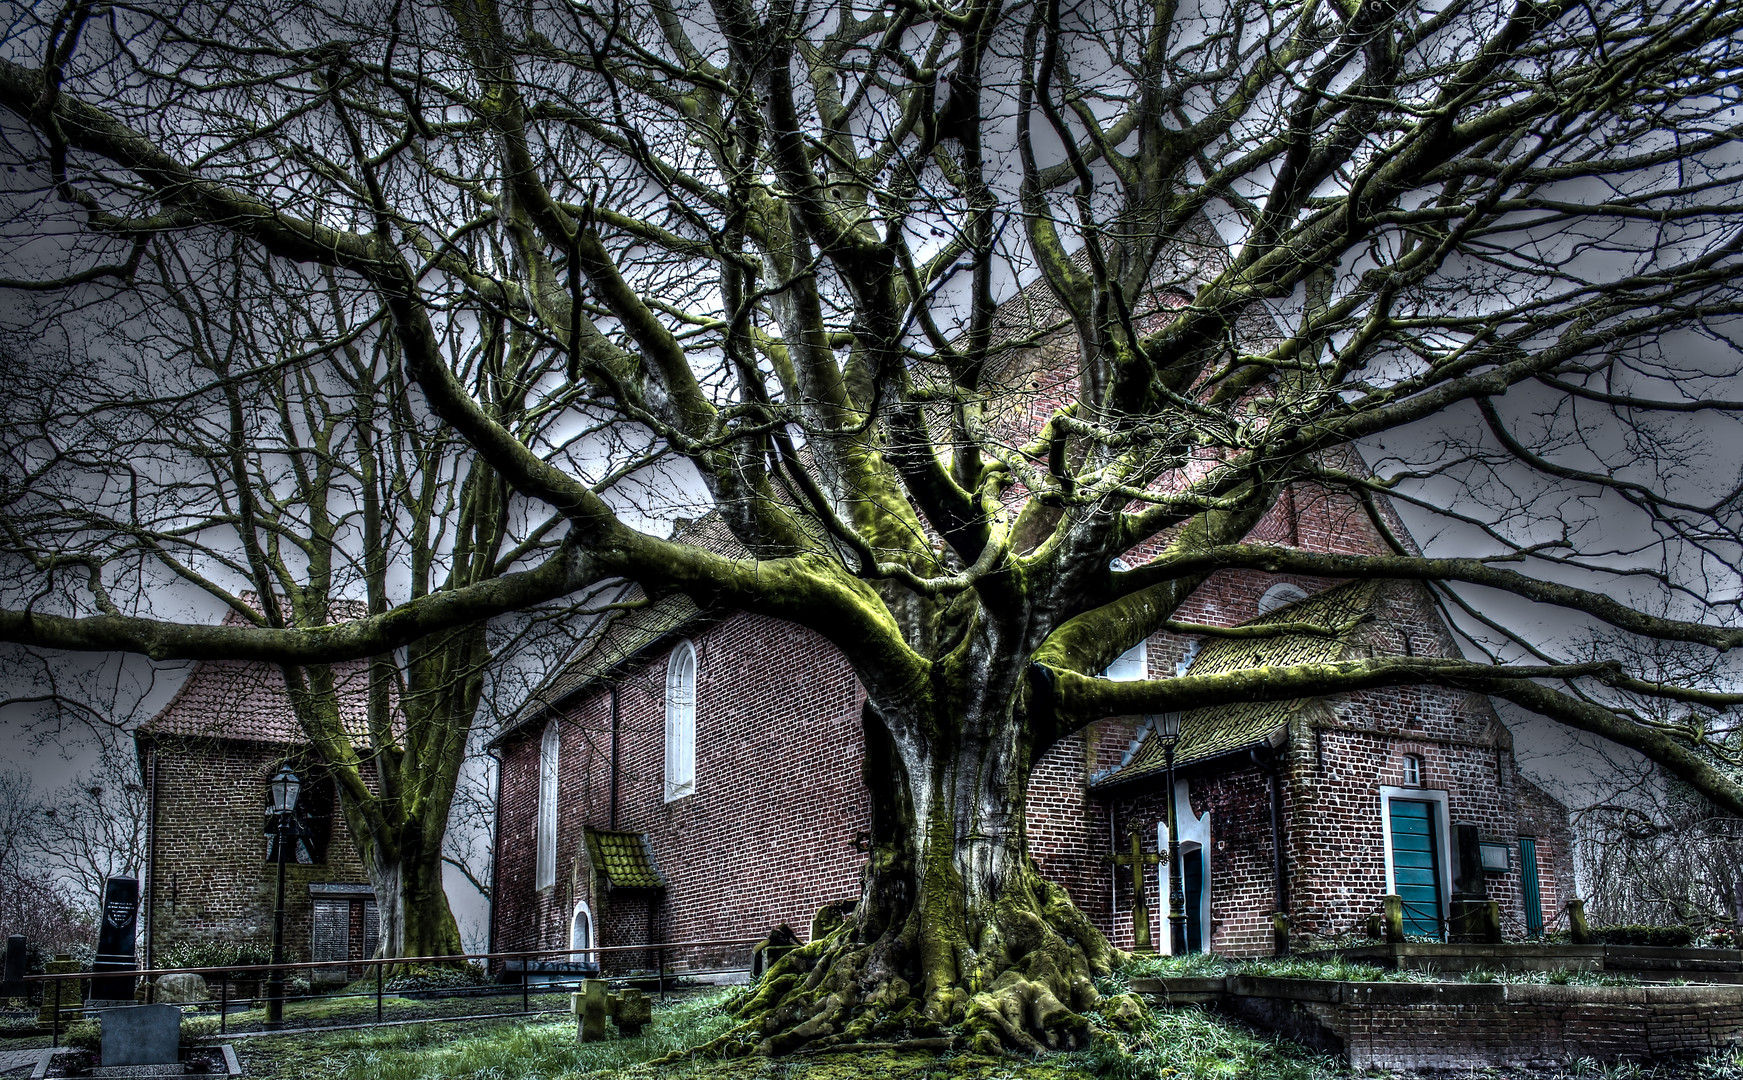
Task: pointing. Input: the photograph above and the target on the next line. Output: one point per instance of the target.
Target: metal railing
(519, 977)
(1420, 916)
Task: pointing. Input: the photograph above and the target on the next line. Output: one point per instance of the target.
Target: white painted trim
(1194, 831)
(682, 679)
(1442, 822)
(550, 750)
(582, 951)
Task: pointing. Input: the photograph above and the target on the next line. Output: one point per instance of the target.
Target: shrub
(36, 954)
(83, 1035)
(214, 954)
(433, 977)
(1662, 936)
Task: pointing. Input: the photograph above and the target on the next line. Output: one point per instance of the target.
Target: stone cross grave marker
(1137, 860)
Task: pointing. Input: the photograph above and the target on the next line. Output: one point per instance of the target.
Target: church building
(694, 775)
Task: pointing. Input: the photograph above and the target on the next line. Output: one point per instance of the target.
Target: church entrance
(1192, 877)
(1416, 859)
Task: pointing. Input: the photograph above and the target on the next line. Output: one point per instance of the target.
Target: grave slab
(141, 1035)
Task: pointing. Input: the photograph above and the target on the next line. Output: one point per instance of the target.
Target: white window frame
(1133, 665)
(549, 748)
(1281, 595)
(1442, 822)
(681, 672)
(582, 951)
(1412, 770)
(1195, 833)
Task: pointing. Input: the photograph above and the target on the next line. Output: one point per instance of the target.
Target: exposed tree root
(1019, 978)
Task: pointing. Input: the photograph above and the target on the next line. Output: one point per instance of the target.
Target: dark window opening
(311, 825)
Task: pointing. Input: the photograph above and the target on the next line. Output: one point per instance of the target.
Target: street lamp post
(284, 788)
(1168, 729)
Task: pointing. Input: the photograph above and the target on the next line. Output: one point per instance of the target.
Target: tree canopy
(1473, 258)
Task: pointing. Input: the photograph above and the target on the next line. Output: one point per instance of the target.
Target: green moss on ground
(337, 1011)
(1162, 1044)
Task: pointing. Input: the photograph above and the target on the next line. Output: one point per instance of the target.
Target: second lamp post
(1168, 730)
(284, 788)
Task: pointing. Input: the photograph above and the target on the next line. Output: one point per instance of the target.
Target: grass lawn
(1178, 1044)
(1181, 1043)
(336, 1011)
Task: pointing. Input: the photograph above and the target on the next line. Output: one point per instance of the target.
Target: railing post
(660, 960)
(223, 1001)
(525, 1003)
(378, 983)
(55, 1037)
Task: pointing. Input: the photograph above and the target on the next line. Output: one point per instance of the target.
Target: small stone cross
(1137, 860)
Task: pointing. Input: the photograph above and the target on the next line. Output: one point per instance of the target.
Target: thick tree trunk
(406, 874)
(956, 932)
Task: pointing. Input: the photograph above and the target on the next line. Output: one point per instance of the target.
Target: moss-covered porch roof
(623, 859)
(1217, 730)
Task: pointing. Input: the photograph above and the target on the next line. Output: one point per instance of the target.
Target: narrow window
(547, 870)
(1412, 770)
(681, 722)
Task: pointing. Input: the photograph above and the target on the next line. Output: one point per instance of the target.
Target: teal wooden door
(1192, 873)
(1528, 877)
(1416, 866)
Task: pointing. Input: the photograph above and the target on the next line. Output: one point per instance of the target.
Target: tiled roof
(624, 859)
(246, 701)
(620, 635)
(1218, 729)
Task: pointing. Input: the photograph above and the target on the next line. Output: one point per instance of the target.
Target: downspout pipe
(1279, 864)
(616, 727)
(495, 849)
(151, 862)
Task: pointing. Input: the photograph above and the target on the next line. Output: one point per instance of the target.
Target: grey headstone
(179, 989)
(141, 1035)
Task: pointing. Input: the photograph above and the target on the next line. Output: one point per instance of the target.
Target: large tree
(1473, 255)
(239, 429)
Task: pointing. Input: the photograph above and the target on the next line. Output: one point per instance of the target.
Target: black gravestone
(1470, 880)
(15, 961)
(115, 939)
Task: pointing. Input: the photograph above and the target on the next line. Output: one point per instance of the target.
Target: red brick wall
(209, 879)
(767, 838)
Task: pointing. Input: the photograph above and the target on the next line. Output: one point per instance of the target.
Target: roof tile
(624, 859)
(1218, 729)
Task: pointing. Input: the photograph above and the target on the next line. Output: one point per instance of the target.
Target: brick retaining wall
(1473, 1025)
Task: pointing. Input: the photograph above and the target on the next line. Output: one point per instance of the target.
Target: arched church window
(547, 827)
(681, 722)
(1412, 770)
(1280, 595)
